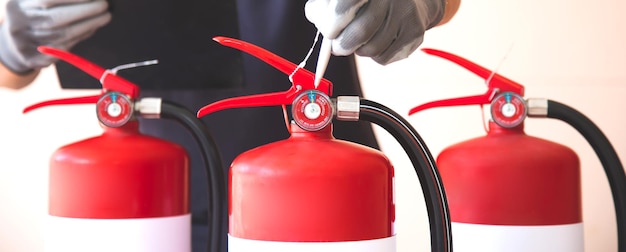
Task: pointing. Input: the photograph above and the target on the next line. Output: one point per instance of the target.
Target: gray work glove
(57, 23)
(385, 30)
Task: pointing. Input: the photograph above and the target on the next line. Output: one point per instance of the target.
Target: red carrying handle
(302, 80)
(497, 84)
(65, 101)
(110, 81)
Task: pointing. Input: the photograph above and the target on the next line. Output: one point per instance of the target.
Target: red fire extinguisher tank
(508, 191)
(120, 191)
(510, 178)
(320, 188)
(128, 187)
(512, 192)
(119, 174)
(309, 192)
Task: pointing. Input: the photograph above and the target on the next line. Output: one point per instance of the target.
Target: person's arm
(56, 23)
(8, 79)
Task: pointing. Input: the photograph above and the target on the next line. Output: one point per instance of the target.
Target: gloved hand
(58, 23)
(385, 30)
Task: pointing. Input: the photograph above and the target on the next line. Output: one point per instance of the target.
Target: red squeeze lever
(303, 80)
(110, 81)
(497, 84)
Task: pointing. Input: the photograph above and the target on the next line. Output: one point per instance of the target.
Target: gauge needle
(322, 61)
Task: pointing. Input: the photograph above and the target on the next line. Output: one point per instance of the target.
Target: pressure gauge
(312, 110)
(508, 110)
(114, 109)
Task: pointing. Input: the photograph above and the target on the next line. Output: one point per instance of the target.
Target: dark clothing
(177, 33)
(276, 25)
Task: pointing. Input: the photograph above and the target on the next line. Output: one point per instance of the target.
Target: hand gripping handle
(302, 80)
(110, 81)
(496, 84)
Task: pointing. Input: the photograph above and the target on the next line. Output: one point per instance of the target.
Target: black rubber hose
(425, 167)
(607, 155)
(214, 171)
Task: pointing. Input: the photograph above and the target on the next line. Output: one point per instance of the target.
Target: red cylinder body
(311, 187)
(508, 191)
(120, 174)
(510, 178)
(120, 191)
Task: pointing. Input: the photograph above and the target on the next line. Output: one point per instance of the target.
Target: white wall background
(571, 51)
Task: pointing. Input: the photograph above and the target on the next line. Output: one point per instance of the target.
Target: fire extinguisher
(509, 191)
(122, 190)
(312, 192)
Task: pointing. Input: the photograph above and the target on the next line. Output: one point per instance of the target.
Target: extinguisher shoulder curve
(314, 152)
(502, 143)
(127, 141)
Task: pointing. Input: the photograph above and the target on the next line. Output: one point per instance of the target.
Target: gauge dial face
(114, 109)
(508, 110)
(312, 110)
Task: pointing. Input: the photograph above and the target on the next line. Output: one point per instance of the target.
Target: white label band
(245, 245)
(498, 238)
(163, 234)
